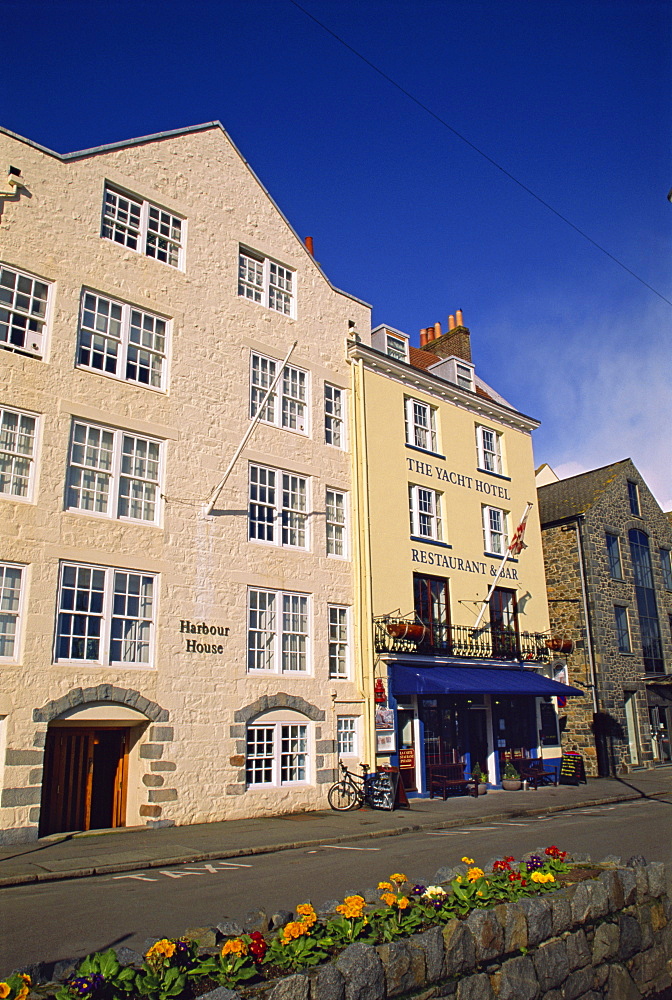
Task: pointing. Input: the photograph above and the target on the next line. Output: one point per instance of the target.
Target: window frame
(16, 457)
(290, 411)
(334, 416)
(101, 340)
(16, 613)
(281, 519)
(432, 514)
(336, 530)
(266, 283)
(417, 432)
(396, 347)
(622, 625)
(138, 236)
(101, 610)
(275, 644)
(347, 747)
(483, 452)
(274, 761)
(666, 567)
(634, 498)
(338, 630)
(614, 555)
(490, 532)
(29, 315)
(116, 475)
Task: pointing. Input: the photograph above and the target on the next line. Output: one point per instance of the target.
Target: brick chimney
(455, 343)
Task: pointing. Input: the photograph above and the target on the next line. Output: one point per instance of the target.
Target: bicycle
(350, 791)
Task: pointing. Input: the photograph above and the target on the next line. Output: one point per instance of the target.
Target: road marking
(205, 869)
(339, 847)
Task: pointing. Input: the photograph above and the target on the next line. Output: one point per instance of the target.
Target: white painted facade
(124, 456)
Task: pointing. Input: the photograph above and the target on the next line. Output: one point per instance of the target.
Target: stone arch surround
(151, 753)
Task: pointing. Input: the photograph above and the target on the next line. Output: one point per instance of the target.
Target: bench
(531, 769)
(446, 778)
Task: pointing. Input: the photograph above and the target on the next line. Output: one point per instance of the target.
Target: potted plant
(480, 777)
(511, 780)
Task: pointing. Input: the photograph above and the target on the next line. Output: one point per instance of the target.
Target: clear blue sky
(572, 98)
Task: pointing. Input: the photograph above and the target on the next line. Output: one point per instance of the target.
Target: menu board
(572, 769)
(380, 788)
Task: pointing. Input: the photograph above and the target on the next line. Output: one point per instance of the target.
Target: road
(57, 920)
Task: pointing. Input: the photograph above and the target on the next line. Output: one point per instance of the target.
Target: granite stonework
(608, 938)
(611, 725)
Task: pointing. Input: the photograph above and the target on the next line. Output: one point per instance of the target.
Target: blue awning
(469, 680)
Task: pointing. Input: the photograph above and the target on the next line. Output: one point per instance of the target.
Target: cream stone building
(461, 671)
(176, 622)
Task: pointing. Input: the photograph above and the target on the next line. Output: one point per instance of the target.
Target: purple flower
(86, 986)
(534, 862)
(417, 890)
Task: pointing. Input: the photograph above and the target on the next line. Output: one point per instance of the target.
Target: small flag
(517, 544)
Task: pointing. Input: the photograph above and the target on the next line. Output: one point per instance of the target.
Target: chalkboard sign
(549, 724)
(379, 789)
(572, 770)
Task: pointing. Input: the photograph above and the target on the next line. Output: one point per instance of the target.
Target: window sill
(425, 451)
(495, 475)
(431, 541)
(496, 555)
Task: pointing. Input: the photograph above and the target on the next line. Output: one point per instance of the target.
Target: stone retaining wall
(606, 938)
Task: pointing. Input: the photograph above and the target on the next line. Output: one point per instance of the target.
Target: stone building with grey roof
(607, 551)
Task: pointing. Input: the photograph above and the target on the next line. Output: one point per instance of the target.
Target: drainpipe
(363, 558)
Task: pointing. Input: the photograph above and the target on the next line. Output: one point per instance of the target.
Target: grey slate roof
(574, 496)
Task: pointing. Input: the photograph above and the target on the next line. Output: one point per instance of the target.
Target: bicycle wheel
(343, 795)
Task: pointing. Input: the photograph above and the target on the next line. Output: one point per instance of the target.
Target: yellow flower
(4, 991)
(351, 907)
(23, 993)
(389, 898)
(399, 879)
(459, 878)
(385, 885)
(403, 903)
(234, 946)
(468, 861)
(474, 873)
(541, 877)
(305, 909)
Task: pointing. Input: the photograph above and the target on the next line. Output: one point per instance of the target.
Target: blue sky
(572, 98)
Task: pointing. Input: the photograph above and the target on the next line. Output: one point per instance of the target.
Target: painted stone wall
(187, 768)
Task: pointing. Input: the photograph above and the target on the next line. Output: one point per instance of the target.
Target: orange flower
(399, 879)
(165, 948)
(403, 903)
(474, 873)
(389, 898)
(307, 914)
(4, 990)
(385, 885)
(234, 946)
(293, 930)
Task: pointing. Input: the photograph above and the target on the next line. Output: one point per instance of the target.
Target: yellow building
(176, 639)
(444, 474)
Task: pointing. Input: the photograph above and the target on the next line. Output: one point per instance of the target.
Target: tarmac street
(160, 882)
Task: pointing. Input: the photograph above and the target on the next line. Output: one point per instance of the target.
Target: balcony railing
(489, 642)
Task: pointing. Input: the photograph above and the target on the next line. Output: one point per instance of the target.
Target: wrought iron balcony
(489, 642)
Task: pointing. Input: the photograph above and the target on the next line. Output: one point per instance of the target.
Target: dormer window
(396, 347)
(391, 342)
(455, 370)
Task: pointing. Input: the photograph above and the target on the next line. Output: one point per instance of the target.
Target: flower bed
(474, 920)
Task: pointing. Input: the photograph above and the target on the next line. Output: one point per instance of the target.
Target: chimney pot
(423, 337)
(451, 322)
(458, 317)
(309, 245)
(437, 330)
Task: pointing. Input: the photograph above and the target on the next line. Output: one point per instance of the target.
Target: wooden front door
(85, 775)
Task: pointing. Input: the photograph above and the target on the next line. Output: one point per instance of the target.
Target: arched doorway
(85, 780)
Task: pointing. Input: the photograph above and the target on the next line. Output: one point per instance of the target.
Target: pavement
(102, 852)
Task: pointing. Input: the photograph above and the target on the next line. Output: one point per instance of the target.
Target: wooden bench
(531, 769)
(446, 778)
